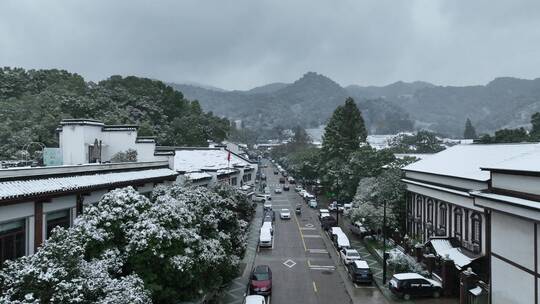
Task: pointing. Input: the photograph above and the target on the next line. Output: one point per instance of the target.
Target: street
(305, 265)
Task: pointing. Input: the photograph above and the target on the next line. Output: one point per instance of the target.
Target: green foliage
(470, 132)
(127, 248)
(344, 132)
(421, 142)
(33, 102)
(506, 136)
(373, 192)
(535, 131)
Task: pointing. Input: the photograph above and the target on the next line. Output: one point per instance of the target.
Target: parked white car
(312, 203)
(267, 206)
(254, 299)
(278, 190)
(285, 214)
(349, 255)
(262, 198)
(298, 188)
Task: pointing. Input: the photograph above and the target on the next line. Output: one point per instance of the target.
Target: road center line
(314, 286)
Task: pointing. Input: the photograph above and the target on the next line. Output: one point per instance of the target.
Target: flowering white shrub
(130, 249)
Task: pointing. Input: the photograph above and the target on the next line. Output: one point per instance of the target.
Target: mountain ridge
(399, 106)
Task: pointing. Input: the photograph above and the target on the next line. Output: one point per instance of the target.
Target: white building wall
(510, 285)
(17, 211)
(60, 203)
(75, 141)
(455, 199)
(117, 141)
(513, 239)
(446, 180)
(527, 184)
(145, 151)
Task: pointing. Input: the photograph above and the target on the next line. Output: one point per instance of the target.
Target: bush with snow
(130, 249)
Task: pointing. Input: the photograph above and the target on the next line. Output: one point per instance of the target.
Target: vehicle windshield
(353, 254)
(284, 210)
(261, 276)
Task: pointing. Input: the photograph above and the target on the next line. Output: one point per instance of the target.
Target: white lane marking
(318, 251)
(312, 236)
(289, 263)
(308, 228)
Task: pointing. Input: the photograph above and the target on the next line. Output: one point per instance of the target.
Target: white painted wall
(145, 151)
(17, 211)
(527, 184)
(60, 203)
(445, 180)
(455, 199)
(510, 285)
(117, 141)
(513, 238)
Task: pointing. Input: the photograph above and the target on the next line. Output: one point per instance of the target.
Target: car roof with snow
(408, 276)
(361, 264)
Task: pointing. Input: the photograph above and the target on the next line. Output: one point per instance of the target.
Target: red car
(260, 281)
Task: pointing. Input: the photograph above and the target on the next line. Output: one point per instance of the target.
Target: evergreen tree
(470, 132)
(344, 132)
(535, 131)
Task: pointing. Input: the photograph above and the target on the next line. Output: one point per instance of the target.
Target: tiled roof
(32, 187)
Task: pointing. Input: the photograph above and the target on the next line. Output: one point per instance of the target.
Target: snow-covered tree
(130, 249)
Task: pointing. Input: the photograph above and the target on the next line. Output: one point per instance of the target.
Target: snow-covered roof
(197, 175)
(205, 159)
(33, 187)
(466, 161)
(444, 248)
(526, 161)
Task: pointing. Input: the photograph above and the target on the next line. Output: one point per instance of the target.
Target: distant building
(208, 166)
(35, 200)
(84, 141)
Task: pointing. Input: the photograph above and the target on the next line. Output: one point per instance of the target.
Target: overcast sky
(239, 44)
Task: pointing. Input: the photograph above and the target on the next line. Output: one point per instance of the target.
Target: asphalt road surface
(304, 264)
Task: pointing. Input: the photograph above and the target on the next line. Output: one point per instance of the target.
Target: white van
(265, 237)
(342, 241)
(334, 231)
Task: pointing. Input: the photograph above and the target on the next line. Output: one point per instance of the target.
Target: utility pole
(384, 243)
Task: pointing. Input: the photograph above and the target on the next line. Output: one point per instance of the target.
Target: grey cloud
(239, 44)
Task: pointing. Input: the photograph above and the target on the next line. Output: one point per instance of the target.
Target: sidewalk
(376, 267)
(236, 291)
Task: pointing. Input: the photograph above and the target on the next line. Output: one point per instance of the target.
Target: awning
(444, 248)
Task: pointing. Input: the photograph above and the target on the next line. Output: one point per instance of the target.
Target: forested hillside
(33, 102)
(309, 101)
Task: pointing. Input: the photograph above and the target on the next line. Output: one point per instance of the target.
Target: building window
(234, 181)
(430, 210)
(57, 218)
(12, 240)
(458, 223)
(443, 215)
(418, 205)
(476, 228)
